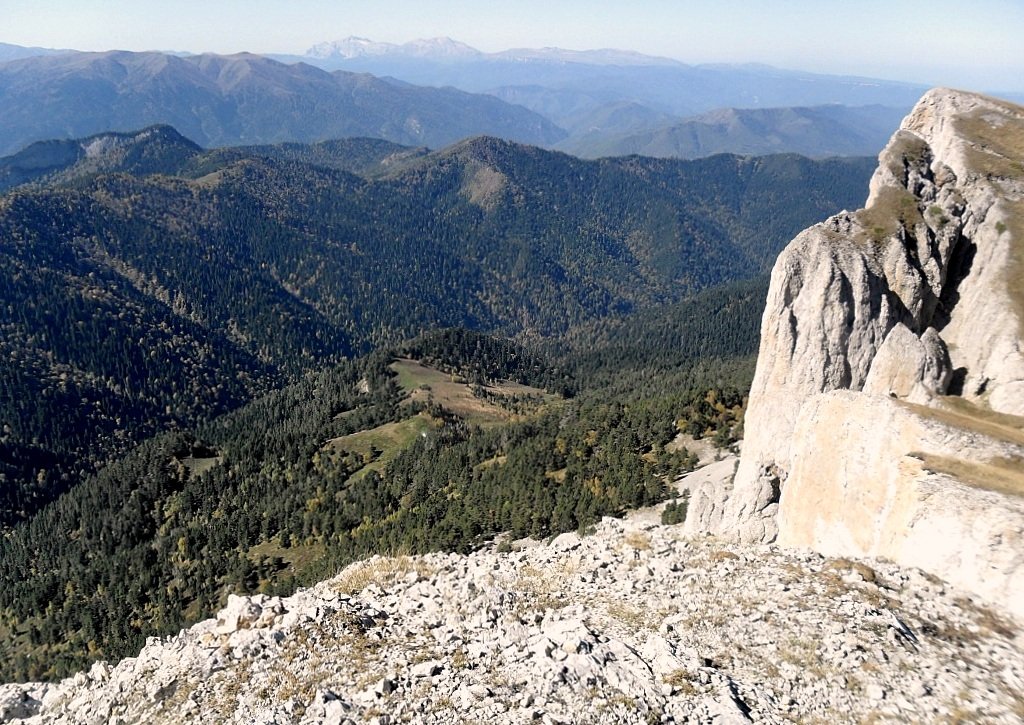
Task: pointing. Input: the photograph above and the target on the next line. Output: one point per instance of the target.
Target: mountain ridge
(243, 98)
(815, 131)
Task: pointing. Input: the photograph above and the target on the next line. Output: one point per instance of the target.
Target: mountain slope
(155, 150)
(219, 100)
(632, 623)
(248, 268)
(811, 131)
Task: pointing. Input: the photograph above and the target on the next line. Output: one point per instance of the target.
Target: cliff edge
(885, 416)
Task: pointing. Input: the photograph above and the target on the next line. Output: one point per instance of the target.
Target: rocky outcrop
(927, 487)
(913, 300)
(631, 624)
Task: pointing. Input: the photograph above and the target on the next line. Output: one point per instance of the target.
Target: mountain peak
(155, 149)
(439, 48)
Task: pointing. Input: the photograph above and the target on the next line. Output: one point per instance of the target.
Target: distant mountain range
(241, 99)
(446, 49)
(436, 91)
(817, 131)
(598, 77)
(14, 52)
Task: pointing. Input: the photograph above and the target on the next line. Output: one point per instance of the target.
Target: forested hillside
(139, 301)
(427, 446)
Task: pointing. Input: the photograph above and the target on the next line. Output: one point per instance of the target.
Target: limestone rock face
(874, 474)
(915, 297)
(910, 367)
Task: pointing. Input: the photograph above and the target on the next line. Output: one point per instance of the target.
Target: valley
(410, 382)
(240, 269)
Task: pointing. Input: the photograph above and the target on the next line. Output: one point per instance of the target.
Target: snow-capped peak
(356, 47)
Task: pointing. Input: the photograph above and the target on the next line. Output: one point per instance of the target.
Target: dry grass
(484, 187)
(892, 209)
(633, 618)
(542, 588)
(987, 620)
(998, 139)
(722, 555)
(382, 571)
(1001, 475)
(998, 153)
(298, 557)
(490, 463)
(960, 413)
(848, 565)
(637, 540)
(1014, 271)
(682, 682)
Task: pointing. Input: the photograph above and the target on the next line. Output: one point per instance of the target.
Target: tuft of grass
(380, 570)
(638, 540)
(867, 573)
(892, 209)
(682, 682)
(722, 555)
(634, 619)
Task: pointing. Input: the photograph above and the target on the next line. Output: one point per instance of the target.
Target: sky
(971, 44)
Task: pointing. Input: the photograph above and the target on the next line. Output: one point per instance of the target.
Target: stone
(874, 691)
(910, 367)
(239, 613)
(430, 668)
(385, 687)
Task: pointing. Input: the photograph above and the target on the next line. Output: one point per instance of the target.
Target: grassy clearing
(490, 463)
(298, 557)
(455, 394)
(382, 443)
(198, 466)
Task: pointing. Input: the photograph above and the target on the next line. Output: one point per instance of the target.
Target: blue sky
(975, 44)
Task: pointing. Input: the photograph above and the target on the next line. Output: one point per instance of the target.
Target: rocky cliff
(885, 413)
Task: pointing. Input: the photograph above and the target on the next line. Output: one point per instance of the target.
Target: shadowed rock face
(915, 296)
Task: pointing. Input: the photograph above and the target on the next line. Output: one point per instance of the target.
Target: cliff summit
(886, 415)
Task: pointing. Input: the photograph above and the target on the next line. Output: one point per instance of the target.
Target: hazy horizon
(822, 37)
